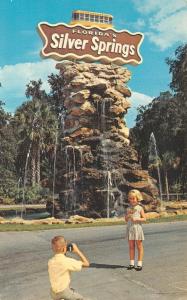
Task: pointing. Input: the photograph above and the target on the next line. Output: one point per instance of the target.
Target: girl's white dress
(134, 230)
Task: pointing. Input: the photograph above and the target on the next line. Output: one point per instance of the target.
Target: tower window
(87, 17)
(96, 18)
(101, 19)
(81, 17)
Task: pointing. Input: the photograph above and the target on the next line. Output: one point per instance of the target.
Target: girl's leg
(139, 245)
(131, 251)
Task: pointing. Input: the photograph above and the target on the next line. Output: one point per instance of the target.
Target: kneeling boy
(59, 268)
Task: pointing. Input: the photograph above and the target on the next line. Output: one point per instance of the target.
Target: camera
(70, 247)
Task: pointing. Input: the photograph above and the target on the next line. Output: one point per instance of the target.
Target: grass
(18, 207)
(24, 227)
(168, 219)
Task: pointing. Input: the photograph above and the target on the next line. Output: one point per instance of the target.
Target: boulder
(16, 221)
(89, 75)
(125, 103)
(88, 108)
(70, 74)
(79, 220)
(123, 71)
(179, 212)
(114, 94)
(123, 90)
(176, 205)
(152, 215)
(79, 81)
(82, 68)
(80, 96)
(164, 214)
(82, 132)
(124, 132)
(97, 85)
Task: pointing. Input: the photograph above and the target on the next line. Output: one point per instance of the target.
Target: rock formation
(97, 165)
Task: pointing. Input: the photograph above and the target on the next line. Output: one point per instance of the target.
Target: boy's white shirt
(59, 268)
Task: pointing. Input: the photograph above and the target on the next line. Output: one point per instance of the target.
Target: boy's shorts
(67, 294)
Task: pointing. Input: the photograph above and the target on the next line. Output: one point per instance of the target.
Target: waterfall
(62, 122)
(54, 173)
(154, 158)
(106, 151)
(109, 186)
(71, 182)
(81, 158)
(19, 185)
(104, 144)
(98, 114)
(103, 115)
(23, 208)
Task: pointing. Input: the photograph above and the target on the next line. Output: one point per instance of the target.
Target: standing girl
(134, 217)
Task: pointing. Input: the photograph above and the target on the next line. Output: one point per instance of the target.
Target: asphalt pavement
(24, 256)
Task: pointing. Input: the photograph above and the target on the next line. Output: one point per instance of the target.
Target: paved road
(24, 256)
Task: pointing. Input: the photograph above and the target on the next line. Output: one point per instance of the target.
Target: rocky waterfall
(97, 164)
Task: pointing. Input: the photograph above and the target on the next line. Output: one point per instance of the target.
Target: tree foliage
(166, 117)
(8, 150)
(36, 125)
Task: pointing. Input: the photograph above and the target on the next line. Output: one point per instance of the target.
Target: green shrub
(33, 195)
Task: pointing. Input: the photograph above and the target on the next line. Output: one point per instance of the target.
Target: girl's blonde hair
(137, 194)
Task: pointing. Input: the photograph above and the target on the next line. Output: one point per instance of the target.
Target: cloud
(140, 99)
(14, 79)
(136, 99)
(170, 30)
(140, 23)
(166, 20)
(34, 52)
(159, 8)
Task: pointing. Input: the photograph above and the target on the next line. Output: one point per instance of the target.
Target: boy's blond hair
(137, 194)
(58, 242)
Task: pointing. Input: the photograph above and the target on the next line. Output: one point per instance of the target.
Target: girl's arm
(127, 216)
(143, 217)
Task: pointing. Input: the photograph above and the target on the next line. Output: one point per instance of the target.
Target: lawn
(24, 227)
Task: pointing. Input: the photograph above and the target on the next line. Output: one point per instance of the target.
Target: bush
(8, 201)
(33, 195)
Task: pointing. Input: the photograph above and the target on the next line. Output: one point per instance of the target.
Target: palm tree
(168, 162)
(37, 126)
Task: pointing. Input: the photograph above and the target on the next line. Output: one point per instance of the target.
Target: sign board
(77, 42)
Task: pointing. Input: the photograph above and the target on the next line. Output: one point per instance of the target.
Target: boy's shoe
(130, 267)
(138, 268)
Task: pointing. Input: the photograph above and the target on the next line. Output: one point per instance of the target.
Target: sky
(163, 23)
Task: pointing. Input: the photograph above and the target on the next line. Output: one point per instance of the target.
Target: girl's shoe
(138, 268)
(130, 267)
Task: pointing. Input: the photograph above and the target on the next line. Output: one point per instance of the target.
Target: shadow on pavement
(105, 266)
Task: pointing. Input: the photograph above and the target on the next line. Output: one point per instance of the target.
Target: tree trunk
(167, 187)
(38, 165)
(33, 170)
(184, 165)
(34, 157)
